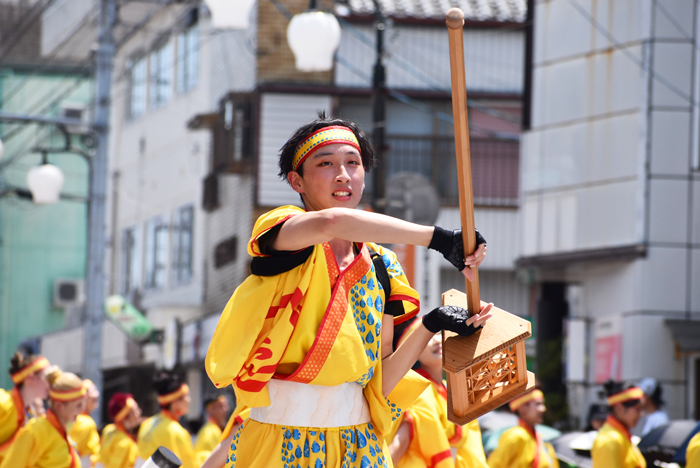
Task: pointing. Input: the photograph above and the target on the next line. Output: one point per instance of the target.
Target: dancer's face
(431, 357)
(333, 178)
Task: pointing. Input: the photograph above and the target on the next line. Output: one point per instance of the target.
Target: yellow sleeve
(606, 453)
(122, 455)
(84, 432)
(185, 451)
(24, 451)
(400, 289)
(207, 438)
(692, 454)
(267, 222)
(552, 455)
(511, 450)
(8, 417)
(385, 410)
(428, 433)
(471, 452)
(240, 414)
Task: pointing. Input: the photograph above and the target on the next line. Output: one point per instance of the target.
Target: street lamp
(2, 150)
(230, 13)
(45, 183)
(313, 36)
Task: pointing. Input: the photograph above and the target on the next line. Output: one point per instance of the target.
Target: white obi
(306, 405)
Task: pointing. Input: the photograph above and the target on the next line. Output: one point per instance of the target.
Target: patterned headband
(321, 138)
(520, 401)
(36, 365)
(68, 395)
(634, 393)
(124, 412)
(164, 400)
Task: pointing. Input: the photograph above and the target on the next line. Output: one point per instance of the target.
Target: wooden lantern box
(485, 370)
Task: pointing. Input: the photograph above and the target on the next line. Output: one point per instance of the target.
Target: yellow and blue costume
(692, 453)
(316, 325)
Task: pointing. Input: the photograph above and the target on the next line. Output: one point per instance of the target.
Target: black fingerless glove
(450, 245)
(450, 318)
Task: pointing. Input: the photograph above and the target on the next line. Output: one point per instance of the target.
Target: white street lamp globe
(230, 13)
(45, 182)
(314, 37)
(2, 150)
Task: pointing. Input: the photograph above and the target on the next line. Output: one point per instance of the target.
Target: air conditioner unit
(68, 292)
(77, 112)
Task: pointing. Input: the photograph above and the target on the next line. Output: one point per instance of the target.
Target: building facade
(610, 194)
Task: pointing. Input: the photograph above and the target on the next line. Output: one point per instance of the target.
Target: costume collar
(169, 415)
(536, 437)
(439, 386)
(618, 426)
(54, 421)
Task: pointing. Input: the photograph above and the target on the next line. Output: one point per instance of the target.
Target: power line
(619, 46)
(16, 36)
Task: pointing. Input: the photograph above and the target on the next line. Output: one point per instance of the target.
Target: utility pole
(379, 115)
(98, 191)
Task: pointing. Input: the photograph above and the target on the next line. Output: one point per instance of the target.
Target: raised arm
(317, 227)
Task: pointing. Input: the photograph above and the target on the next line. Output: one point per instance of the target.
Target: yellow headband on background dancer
(528, 397)
(321, 138)
(68, 394)
(129, 404)
(634, 393)
(36, 365)
(165, 400)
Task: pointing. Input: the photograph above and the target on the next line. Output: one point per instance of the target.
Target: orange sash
(538, 441)
(619, 427)
(341, 283)
(21, 417)
(51, 417)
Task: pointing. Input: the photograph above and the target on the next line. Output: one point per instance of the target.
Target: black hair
(166, 382)
(290, 147)
(612, 387)
(655, 397)
(19, 361)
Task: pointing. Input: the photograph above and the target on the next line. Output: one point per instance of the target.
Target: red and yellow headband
(36, 365)
(634, 393)
(321, 138)
(528, 397)
(164, 400)
(68, 395)
(124, 412)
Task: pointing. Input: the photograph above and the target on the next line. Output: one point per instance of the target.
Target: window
(130, 260)
(183, 228)
(161, 75)
(136, 70)
(156, 252)
(187, 59)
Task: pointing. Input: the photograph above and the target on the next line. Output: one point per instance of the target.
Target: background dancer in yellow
(43, 442)
(29, 376)
(218, 457)
(84, 430)
(306, 340)
(521, 446)
(613, 447)
(164, 428)
(216, 410)
(423, 437)
(118, 449)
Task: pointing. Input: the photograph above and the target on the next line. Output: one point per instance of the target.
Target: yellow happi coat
(312, 324)
(84, 433)
(518, 447)
(207, 439)
(12, 418)
(613, 447)
(164, 430)
(42, 443)
(692, 454)
(118, 449)
(435, 441)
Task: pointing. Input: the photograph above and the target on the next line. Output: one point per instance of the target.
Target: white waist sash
(305, 405)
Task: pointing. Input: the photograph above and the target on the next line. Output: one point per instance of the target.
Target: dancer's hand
(456, 319)
(450, 245)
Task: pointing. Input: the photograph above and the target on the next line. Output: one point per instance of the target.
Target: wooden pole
(455, 22)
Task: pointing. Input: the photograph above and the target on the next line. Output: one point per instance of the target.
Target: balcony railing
(495, 166)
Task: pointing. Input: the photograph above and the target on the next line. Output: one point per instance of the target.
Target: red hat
(119, 406)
